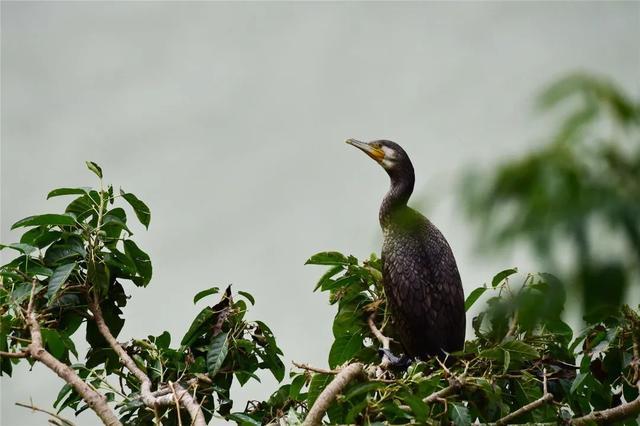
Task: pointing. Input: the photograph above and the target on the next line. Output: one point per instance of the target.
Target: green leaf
(68, 191)
(520, 351)
(328, 258)
(216, 353)
(45, 219)
(247, 296)
(54, 343)
(244, 419)
(501, 276)
(99, 275)
(507, 361)
(142, 261)
(344, 348)
(475, 295)
(196, 328)
(21, 247)
(459, 415)
(316, 386)
(327, 276)
(94, 168)
(59, 277)
(204, 293)
(139, 208)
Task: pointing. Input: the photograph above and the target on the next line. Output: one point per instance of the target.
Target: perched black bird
(420, 275)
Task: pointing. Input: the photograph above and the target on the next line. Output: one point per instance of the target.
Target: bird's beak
(375, 153)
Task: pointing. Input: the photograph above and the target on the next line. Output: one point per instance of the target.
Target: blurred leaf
(459, 415)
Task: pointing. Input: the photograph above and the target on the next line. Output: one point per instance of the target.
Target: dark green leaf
(328, 275)
(475, 295)
(59, 277)
(94, 168)
(22, 248)
(247, 296)
(139, 208)
(244, 419)
(45, 219)
(197, 327)
(317, 385)
(216, 353)
(68, 191)
(459, 415)
(501, 276)
(344, 348)
(142, 261)
(328, 258)
(204, 293)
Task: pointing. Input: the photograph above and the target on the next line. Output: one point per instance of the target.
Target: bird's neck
(396, 199)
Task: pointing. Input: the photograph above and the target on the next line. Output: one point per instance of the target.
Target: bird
(419, 271)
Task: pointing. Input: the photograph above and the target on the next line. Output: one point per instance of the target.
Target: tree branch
(146, 395)
(329, 394)
(61, 419)
(384, 341)
(546, 396)
(21, 354)
(314, 369)
(96, 401)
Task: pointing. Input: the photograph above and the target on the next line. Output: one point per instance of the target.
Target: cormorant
(419, 272)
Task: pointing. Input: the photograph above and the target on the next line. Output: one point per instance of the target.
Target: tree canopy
(524, 363)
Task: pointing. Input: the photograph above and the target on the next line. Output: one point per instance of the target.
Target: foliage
(87, 254)
(520, 339)
(579, 194)
(72, 269)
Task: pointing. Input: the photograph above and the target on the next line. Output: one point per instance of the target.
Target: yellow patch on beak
(373, 152)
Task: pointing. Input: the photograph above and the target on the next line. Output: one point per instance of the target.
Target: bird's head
(388, 154)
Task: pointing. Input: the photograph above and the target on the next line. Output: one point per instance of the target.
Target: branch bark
(314, 369)
(329, 394)
(60, 419)
(146, 395)
(96, 401)
(384, 341)
(546, 396)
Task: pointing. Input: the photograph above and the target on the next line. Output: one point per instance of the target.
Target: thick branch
(96, 401)
(329, 394)
(546, 396)
(147, 396)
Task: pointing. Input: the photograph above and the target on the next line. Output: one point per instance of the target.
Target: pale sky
(229, 120)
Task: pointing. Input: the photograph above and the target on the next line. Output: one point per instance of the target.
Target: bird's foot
(402, 362)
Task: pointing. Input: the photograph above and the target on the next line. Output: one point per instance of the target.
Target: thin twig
(21, 354)
(384, 341)
(314, 369)
(52, 414)
(546, 396)
(175, 397)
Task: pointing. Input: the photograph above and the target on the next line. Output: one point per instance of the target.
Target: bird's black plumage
(420, 275)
